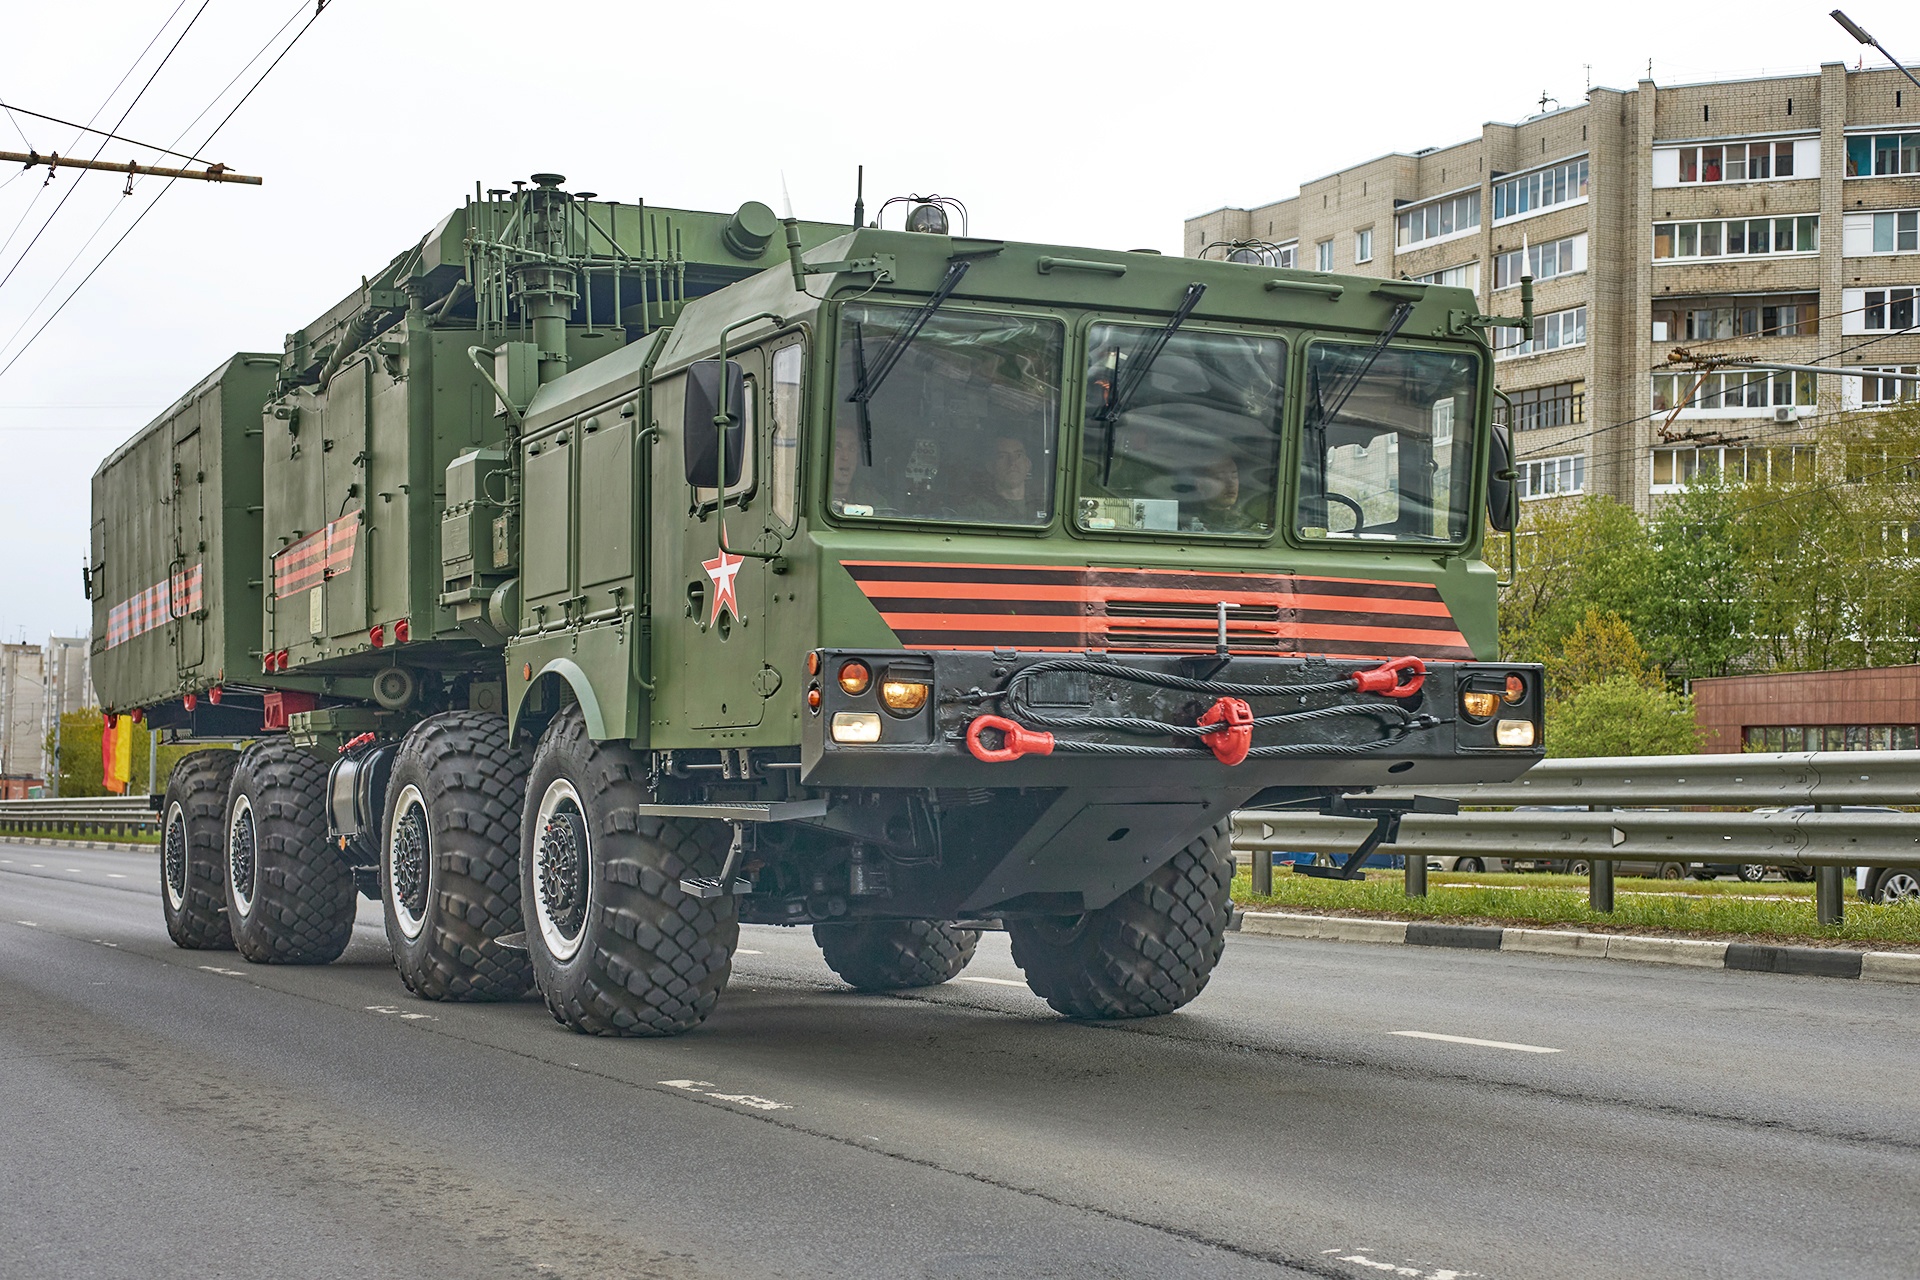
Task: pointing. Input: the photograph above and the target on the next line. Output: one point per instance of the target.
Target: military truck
(597, 576)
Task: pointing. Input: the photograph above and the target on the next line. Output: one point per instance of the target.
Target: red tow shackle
(1017, 741)
(1386, 678)
(1232, 743)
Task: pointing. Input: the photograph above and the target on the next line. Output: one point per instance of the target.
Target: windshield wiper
(860, 380)
(1346, 385)
(1124, 384)
(869, 379)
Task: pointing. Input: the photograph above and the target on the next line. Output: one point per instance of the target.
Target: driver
(1223, 511)
(1007, 499)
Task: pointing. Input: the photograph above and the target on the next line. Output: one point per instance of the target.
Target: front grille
(1200, 611)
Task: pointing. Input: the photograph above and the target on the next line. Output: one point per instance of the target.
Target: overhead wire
(320, 7)
(75, 184)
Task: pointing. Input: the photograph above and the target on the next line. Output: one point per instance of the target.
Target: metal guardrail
(1620, 809)
(91, 815)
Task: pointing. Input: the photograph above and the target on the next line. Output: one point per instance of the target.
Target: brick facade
(1629, 140)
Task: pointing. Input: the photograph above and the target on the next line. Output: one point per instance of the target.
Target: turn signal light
(813, 700)
(855, 678)
(856, 726)
(1479, 703)
(1514, 733)
(813, 663)
(1516, 688)
(904, 697)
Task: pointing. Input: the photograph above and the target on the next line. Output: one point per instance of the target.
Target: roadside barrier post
(1829, 902)
(1416, 875)
(1600, 874)
(1262, 865)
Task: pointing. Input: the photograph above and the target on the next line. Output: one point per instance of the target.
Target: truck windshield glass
(1388, 446)
(963, 428)
(1196, 448)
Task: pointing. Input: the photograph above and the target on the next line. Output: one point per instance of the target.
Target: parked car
(1754, 872)
(1887, 884)
(1472, 864)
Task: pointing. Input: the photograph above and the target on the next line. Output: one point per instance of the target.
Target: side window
(749, 406)
(787, 408)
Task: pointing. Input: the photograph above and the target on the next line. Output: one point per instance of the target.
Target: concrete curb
(1821, 962)
(48, 843)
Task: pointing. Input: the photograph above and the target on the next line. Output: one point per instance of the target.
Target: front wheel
(1579, 867)
(1752, 872)
(893, 955)
(618, 949)
(1899, 885)
(1148, 952)
(1469, 865)
(1672, 871)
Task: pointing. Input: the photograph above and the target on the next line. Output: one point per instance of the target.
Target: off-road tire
(1148, 952)
(618, 949)
(193, 896)
(892, 955)
(290, 895)
(450, 858)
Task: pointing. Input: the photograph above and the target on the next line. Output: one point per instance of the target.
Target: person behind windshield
(1009, 479)
(852, 482)
(1223, 511)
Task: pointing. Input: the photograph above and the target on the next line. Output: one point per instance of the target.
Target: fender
(569, 671)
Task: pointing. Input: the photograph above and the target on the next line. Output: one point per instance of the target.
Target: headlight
(864, 726)
(855, 677)
(904, 697)
(1479, 703)
(1513, 733)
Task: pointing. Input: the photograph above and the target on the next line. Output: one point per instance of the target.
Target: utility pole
(212, 173)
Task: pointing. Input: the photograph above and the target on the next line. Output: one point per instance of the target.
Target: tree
(1699, 614)
(79, 763)
(1600, 647)
(1575, 555)
(1621, 716)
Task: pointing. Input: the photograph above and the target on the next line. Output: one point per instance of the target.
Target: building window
(1281, 255)
(1831, 737)
(1563, 404)
(1877, 310)
(1737, 237)
(1544, 261)
(1734, 393)
(1550, 333)
(1446, 217)
(1542, 189)
(1782, 464)
(1879, 392)
(1363, 246)
(1784, 315)
(1880, 155)
(1323, 255)
(1864, 234)
(1736, 162)
(1464, 276)
(1554, 477)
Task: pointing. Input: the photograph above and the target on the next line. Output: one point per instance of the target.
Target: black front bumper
(929, 748)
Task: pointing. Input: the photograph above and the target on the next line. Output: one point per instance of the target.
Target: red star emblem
(722, 569)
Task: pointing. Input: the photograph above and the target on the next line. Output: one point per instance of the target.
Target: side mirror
(1503, 495)
(701, 434)
(86, 582)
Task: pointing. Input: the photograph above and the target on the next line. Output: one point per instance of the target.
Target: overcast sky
(1101, 124)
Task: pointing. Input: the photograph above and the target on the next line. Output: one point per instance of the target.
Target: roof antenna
(859, 195)
(786, 196)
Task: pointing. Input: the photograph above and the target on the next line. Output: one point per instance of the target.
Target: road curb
(50, 843)
(1749, 957)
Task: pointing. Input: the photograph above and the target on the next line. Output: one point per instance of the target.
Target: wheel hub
(563, 882)
(173, 858)
(241, 855)
(409, 856)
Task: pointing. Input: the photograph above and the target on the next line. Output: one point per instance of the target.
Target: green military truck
(597, 576)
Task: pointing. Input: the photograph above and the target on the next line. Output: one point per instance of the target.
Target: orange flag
(116, 753)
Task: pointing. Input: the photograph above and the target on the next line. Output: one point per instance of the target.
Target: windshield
(962, 428)
(1195, 446)
(1388, 446)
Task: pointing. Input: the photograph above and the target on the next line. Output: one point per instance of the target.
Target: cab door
(186, 568)
(726, 591)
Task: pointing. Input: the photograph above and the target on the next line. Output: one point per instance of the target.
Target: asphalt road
(172, 1113)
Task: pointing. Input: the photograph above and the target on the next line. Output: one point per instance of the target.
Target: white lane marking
(103, 942)
(1484, 1044)
(998, 982)
(38, 866)
(29, 923)
(1359, 1257)
(225, 973)
(115, 875)
(6, 862)
(705, 1089)
(744, 951)
(396, 1011)
(75, 871)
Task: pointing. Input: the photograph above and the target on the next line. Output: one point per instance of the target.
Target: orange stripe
(964, 622)
(1100, 569)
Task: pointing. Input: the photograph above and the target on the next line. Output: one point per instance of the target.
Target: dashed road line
(225, 973)
(705, 1088)
(747, 951)
(998, 982)
(1472, 1040)
(406, 1015)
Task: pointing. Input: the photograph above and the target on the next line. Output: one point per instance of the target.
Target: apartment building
(1776, 218)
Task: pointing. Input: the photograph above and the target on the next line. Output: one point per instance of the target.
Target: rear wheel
(891, 955)
(1796, 875)
(1671, 871)
(290, 896)
(1898, 885)
(1469, 864)
(1148, 952)
(450, 863)
(617, 947)
(192, 845)
(1752, 872)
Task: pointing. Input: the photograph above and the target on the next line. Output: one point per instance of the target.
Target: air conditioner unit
(1785, 413)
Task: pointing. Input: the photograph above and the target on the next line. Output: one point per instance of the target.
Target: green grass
(64, 837)
(1698, 909)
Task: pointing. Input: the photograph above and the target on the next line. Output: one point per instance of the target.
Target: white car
(1469, 864)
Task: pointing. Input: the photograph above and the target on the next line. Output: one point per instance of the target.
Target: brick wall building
(1777, 218)
(1876, 710)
